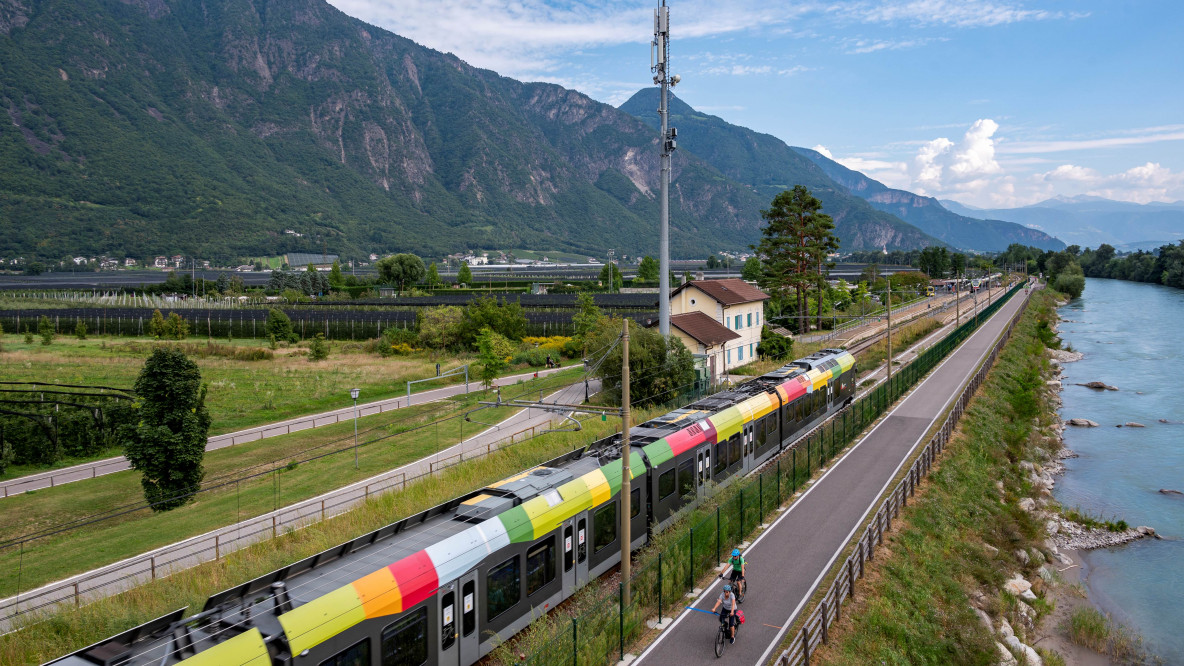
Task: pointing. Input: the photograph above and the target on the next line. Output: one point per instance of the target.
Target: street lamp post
(353, 393)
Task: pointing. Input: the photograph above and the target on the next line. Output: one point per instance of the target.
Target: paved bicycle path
(98, 468)
(789, 560)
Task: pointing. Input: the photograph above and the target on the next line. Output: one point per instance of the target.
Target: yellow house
(733, 304)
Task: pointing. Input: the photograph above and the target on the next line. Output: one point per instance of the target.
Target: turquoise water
(1132, 336)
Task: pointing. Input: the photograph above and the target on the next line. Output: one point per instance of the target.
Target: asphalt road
(788, 560)
(98, 468)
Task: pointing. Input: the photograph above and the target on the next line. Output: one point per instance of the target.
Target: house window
(739, 322)
(750, 350)
(750, 319)
(729, 357)
(758, 318)
(740, 353)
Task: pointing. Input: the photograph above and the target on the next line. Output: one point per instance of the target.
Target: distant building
(299, 260)
(245, 268)
(474, 260)
(732, 303)
(129, 262)
(161, 262)
(373, 257)
(178, 260)
(78, 261)
(293, 233)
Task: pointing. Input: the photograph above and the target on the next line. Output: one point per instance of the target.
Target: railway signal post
(626, 500)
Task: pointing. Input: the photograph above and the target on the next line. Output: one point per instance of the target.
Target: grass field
(241, 393)
(56, 557)
(54, 634)
(914, 606)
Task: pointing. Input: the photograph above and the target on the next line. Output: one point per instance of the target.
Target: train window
(357, 654)
(604, 527)
(468, 594)
(540, 565)
(734, 454)
(569, 548)
(666, 484)
(772, 430)
(721, 457)
(503, 587)
(405, 643)
(758, 432)
(581, 539)
(635, 503)
(447, 620)
(686, 478)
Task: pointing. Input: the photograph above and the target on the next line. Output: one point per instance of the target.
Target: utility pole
(957, 304)
(890, 328)
(626, 538)
(660, 66)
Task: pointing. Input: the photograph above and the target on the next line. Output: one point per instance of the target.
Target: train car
(448, 584)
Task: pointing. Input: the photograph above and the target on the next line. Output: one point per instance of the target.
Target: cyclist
(739, 567)
(727, 615)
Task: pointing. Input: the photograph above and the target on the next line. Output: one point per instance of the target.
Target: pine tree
(464, 276)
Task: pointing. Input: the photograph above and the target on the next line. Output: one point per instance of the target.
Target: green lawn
(388, 441)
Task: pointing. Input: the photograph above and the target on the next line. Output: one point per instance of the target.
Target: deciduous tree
(464, 276)
(401, 269)
(648, 269)
(169, 442)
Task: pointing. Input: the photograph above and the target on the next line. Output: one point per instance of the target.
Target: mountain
(215, 128)
(966, 232)
(768, 166)
(1090, 221)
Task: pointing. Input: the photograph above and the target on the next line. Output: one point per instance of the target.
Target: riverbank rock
(1062, 356)
(1018, 586)
(1133, 424)
(1030, 656)
(1100, 386)
(1169, 491)
(1028, 504)
(1006, 658)
(1082, 423)
(1074, 536)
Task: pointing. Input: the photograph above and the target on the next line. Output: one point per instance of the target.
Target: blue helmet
(735, 552)
(727, 588)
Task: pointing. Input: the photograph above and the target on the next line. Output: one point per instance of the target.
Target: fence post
(217, 546)
(575, 643)
(824, 622)
(691, 563)
(77, 602)
(778, 480)
(806, 642)
(153, 560)
(851, 576)
(718, 557)
(760, 497)
(659, 588)
(794, 479)
(740, 535)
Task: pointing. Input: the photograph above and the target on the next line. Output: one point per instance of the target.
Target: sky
(991, 103)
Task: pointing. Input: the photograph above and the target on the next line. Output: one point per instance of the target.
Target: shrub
(396, 342)
(318, 349)
(774, 346)
(45, 330)
(1070, 284)
(279, 325)
(536, 357)
(156, 325)
(400, 349)
(28, 335)
(80, 329)
(176, 327)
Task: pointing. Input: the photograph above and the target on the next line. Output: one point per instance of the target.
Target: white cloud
(956, 13)
(1131, 138)
(1143, 184)
(823, 150)
(862, 46)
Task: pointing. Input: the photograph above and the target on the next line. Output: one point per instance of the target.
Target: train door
(703, 469)
(749, 448)
(469, 637)
(569, 557)
(449, 619)
(582, 548)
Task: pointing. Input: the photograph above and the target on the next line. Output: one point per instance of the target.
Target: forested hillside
(168, 126)
(769, 166)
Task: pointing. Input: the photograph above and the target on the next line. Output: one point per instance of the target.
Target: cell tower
(660, 66)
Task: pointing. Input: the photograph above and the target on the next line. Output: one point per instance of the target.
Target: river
(1131, 335)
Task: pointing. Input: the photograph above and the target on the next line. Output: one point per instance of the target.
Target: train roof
(397, 566)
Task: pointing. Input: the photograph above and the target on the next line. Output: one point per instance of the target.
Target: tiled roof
(729, 292)
(703, 328)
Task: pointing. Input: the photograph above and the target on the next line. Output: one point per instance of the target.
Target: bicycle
(721, 638)
(740, 586)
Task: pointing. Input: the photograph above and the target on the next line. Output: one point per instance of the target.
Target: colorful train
(444, 586)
